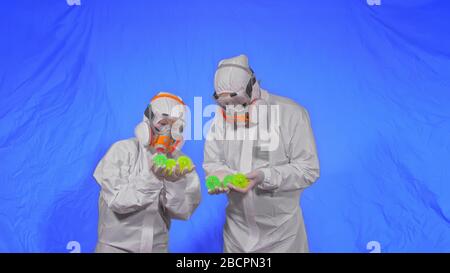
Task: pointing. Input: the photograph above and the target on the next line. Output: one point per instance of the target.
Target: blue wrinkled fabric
(375, 80)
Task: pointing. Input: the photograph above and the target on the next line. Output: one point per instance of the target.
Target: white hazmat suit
(268, 218)
(135, 206)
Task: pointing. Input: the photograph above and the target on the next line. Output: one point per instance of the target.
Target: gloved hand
(177, 173)
(162, 173)
(158, 171)
(255, 177)
(219, 190)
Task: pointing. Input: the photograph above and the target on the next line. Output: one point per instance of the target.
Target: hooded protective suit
(135, 206)
(268, 218)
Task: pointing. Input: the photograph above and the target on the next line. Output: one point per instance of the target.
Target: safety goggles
(230, 99)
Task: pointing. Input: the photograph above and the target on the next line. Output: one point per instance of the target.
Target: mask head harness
(251, 82)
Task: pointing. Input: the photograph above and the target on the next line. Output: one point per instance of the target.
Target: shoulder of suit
(125, 145)
(288, 107)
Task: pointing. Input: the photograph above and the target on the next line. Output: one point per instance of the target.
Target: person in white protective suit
(269, 139)
(138, 200)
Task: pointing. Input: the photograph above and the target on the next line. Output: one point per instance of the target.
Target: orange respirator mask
(235, 106)
(162, 128)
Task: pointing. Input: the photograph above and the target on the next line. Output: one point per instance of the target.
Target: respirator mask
(163, 124)
(236, 107)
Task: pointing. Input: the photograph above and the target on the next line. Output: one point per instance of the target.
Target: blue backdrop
(374, 78)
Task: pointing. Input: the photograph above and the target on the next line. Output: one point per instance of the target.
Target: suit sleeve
(302, 169)
(122, 191)
(181, 198)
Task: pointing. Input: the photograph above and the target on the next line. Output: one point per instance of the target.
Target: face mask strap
(149, 113)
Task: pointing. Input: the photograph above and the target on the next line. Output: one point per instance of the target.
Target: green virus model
(170, 165)
(160, 160)
(212, 182)
(185, 163)
(240, 180)
(227, 180)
